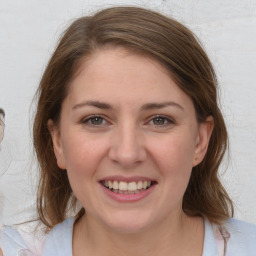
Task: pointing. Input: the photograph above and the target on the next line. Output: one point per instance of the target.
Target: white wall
(28, 32)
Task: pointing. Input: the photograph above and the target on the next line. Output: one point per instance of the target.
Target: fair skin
(125, 121)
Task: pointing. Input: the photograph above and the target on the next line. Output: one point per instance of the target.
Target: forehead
(120, 75)
(105, 58)
(116, 65)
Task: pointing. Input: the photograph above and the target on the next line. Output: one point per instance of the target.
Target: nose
(127, 147)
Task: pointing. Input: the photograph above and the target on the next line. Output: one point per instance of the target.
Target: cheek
(174, 159)
(175, 151)
(81, 151)
(82, 156)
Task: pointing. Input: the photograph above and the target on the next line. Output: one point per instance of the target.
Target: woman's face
(128, 137)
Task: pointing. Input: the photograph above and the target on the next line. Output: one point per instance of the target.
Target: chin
(129, 223)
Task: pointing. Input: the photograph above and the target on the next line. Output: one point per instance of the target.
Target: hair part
(165, 40)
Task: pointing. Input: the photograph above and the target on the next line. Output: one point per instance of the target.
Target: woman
(128, 131)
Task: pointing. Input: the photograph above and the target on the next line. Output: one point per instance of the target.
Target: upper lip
(127, 179)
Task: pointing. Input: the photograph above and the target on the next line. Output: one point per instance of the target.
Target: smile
(122, 187)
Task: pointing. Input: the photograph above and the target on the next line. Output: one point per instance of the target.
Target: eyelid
(106, 122)
(86, 120)
(170, 120)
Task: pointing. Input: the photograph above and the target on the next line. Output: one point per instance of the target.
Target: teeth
(110, 184)
(115, 185)
(132, 186)
(139, 185)
(125, 187)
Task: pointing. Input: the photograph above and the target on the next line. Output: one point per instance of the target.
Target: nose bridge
(127, 147)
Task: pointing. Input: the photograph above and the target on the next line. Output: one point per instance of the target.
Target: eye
(94, 120)
(161, 121)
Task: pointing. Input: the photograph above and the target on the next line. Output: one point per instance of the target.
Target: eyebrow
(148, 106)
(97, 104)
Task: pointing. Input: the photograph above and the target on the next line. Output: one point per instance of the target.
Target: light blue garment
(59, 240)
(243, 238)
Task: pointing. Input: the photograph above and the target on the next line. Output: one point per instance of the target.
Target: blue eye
(161, 121)
(94, 121)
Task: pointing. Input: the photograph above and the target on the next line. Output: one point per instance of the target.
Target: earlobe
(57, 145)
(204, 134)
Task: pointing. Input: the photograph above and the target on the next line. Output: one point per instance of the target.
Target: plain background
(29, 31)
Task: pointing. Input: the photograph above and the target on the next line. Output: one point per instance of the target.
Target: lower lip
(128, 197)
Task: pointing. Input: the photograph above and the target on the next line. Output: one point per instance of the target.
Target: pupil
(159, 120)
(96, 120)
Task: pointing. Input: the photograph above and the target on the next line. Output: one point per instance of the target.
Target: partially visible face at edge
(125, 119)
(1, 125)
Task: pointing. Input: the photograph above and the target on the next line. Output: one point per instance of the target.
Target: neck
(168, 238)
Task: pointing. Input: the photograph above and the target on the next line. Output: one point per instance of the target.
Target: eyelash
(166, 121)
(88, 120)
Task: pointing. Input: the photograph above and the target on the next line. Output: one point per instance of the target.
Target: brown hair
(177, 49)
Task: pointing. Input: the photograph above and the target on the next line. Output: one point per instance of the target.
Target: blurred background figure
(2, 115)
(2, 125)
(3, 157)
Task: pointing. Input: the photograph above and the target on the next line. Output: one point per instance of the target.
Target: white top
(234, 238)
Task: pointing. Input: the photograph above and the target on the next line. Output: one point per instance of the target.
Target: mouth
(122, 187)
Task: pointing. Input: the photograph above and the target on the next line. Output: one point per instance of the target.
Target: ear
(57, 144)
(204, 134)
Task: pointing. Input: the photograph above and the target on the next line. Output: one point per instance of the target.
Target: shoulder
(59, 240)
(25, 240)
(11, 240)
(240, 228)
(62, 230)
(14, 239)
(242, 237)
(63, 226)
